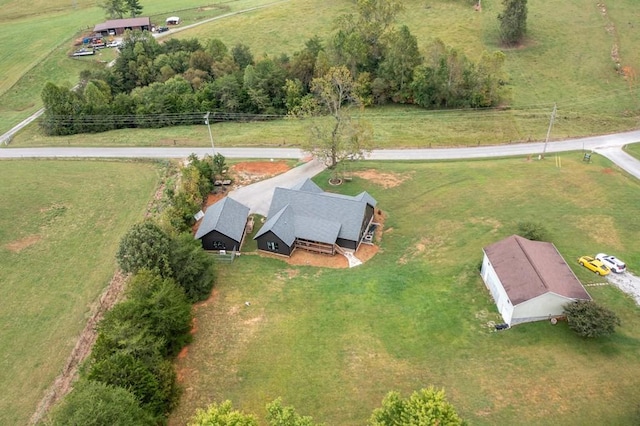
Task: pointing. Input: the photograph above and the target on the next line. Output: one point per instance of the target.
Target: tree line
(129, 377)
(174, 83)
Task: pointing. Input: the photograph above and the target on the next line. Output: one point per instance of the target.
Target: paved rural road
(258, 196)
(607, 145)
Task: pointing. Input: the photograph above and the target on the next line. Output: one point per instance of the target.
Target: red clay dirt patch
(607, 171)
(18, 246)
(252, 171)
(385, 180)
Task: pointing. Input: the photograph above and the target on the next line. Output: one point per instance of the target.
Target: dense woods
(176, 82)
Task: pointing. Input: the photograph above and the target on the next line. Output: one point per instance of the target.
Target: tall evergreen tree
(114, 9)
(513, 21)
(134, 8)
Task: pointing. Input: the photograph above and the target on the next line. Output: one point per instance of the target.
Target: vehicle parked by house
(594, 265)
(612, 262)
(84, 52)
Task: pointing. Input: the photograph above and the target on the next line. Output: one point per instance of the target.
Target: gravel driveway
(628, 283)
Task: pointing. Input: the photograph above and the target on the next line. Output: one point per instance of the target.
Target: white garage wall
(496, 289)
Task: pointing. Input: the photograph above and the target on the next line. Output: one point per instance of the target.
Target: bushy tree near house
(224, 415)
(589, 319)
(424, 407)
(341, 138)
(145, 246)
(280, 415)
(533, 231)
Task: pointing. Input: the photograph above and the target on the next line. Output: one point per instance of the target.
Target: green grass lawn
(60, 225)
(633, 149)
(334, 342)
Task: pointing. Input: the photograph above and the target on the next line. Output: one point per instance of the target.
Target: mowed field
(574, 68)
(334, 342)
(60, 226)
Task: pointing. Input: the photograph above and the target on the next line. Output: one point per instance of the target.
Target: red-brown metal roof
(123, 23)
(528, 269)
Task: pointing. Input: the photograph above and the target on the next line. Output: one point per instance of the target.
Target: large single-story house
(307, 217)
(529, 280)
(223, 225)
(119, 26)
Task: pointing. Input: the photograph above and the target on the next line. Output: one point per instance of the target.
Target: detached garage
(529, 280)
(223, 225)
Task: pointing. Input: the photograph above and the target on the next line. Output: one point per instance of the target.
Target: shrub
(97, 403)
(426, 407)
(532, 231)
(145, 246)
(193, 268)
(588, 319)
(147, 380)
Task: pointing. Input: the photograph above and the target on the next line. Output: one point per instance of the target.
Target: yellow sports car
(593, 265)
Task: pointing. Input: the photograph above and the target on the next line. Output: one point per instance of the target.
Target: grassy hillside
(60, 225)
(333, 342)
(575, 69)
(36, 42)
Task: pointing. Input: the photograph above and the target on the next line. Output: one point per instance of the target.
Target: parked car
(594, 265)
(162, 29)
(612, 262)
(115, 43)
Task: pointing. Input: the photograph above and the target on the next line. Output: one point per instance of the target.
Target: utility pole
(206, 121)
(553, 118)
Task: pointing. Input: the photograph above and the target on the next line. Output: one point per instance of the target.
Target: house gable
(223, 222)
(305, 212)
(529, 268)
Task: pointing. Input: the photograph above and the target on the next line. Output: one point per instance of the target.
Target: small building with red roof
(529, 280)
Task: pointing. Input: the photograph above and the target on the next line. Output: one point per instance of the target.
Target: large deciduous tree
(589, 319)
(341, 138)
(145, 246)
(424, 407)
(279, 415)
(513, 21)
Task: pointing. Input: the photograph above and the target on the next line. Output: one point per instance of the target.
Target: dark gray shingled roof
(528, 269)
(227, 216)
(282, 223)
(123, 23)
(319, 216)
(307, 185)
